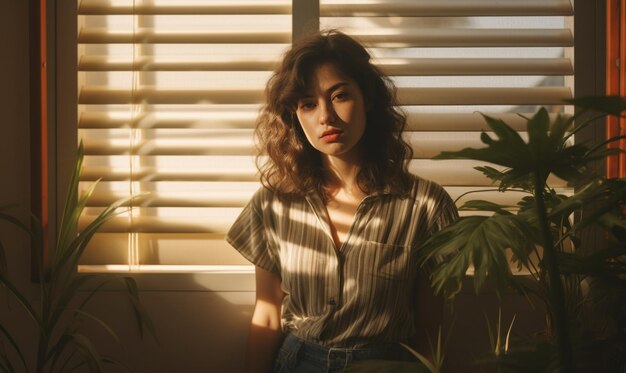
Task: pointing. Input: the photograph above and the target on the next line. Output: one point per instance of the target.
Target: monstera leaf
(481, 241)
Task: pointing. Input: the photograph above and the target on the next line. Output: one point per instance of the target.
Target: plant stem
(41, 352)
(555, 285)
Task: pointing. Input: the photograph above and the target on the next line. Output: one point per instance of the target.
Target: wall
(14, 150)
(199, 331)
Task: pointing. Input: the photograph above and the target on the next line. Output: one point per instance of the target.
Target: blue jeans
(299, 356)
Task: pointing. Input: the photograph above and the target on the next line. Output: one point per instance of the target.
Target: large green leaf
(506, 180)
(538, 143)
(559, 130)
(509, 150)
(482, 241)
(600, 202)
(481, 205)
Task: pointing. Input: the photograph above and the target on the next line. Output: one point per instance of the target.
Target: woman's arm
(265, 334)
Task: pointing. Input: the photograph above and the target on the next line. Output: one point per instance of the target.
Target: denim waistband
(295, 349)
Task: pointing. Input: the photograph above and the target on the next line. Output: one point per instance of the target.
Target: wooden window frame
(616, 81)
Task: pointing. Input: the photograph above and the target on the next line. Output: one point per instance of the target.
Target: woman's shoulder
(422, 188)
(265, 198)
(262, 196)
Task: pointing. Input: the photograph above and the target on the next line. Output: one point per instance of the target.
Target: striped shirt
(355, 296)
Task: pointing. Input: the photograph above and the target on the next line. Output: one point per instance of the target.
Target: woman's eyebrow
(336, 86)
(332, 88)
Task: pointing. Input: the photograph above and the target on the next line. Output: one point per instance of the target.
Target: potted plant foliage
(60, 309)
(583, 286)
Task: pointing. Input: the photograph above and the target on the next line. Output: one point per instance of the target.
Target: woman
(334, 230)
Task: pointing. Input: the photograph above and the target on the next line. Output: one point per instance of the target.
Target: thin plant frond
(21, 299)
(100, 322)
(68, 218)
(88, 351)
(57, 356)
(422, 359)
(141, 314)
(7, 335)
(508, 335)
(109, 360)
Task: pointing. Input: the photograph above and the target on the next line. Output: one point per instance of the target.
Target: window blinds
(452, 59)
(168, 95)
(169, 90)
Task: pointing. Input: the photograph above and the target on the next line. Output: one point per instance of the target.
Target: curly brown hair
(289, 165)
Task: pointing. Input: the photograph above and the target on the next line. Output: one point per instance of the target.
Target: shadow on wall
(198, 331)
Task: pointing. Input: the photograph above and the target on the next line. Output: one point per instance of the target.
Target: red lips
(331, 135)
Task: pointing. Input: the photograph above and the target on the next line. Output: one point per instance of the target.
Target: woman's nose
(327, 115)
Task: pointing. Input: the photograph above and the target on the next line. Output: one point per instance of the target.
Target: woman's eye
(340, 96)
(307, 106)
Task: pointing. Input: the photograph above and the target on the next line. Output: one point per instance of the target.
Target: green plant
(61, 310)
(424, 364)
(569, 278)
(498, 347)
(435, 364)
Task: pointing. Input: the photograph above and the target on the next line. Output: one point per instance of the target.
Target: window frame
(589, 56)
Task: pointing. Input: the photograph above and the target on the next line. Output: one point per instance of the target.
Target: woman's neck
(342, 175)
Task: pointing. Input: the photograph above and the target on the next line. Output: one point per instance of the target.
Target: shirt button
(332, 302)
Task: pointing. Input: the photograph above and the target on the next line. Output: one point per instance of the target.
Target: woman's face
(332, 113)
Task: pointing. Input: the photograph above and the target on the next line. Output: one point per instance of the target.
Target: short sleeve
(445, 212)
(248, 235)
(441, 212)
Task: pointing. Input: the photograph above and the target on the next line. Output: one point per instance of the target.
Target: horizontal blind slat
(102, 96)
(238, 142)
(168, 142)
(476, 66)
(406, 96)
(180, 63)
(452, 37)
(105, 7)
(339, 8)
(399, 67)
(464, 121)
(162, 249)
(97, 35)
(434, 8)
(422, 37)
(217, 223)
(223, 117)
(242, 168)
(242, 119)
(483, 96)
